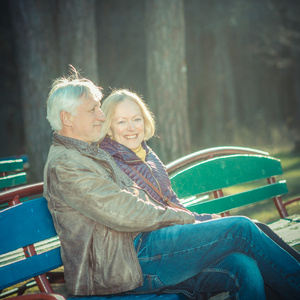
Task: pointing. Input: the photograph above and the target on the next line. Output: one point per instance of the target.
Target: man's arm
(101, 199)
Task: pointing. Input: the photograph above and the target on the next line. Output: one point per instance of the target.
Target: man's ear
(66, 118)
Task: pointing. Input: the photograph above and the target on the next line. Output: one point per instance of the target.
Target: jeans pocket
(153, 282)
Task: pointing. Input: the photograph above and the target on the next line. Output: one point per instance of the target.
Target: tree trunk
(36, 48)
(77, 37)
(50, 35)
(167, 77)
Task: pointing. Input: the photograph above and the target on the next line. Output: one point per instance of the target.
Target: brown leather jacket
(97, 212)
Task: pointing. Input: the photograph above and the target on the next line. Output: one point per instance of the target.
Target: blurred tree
(50, 35)
(36, 50)
(283, 54)
(243, 68)
(77, 37)
(121, 45)
(10, 107)
(167, 76)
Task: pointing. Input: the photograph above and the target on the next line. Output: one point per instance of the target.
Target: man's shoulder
(60, 155)
(58, 152)
(75, 158)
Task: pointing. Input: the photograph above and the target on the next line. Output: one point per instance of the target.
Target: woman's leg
(174, 254)
(236, 273)
(278, 240)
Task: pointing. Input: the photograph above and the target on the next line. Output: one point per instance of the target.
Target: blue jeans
(228, 254)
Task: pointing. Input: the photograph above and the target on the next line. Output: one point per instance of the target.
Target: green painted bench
(31, 247)
(11, 173)
(219, 180)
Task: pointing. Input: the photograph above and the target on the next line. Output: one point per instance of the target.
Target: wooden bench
(30, 248)
(207, 180)
(28, 234)
(11, 173)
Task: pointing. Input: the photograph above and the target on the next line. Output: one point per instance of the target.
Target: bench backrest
(216, 174)
(204, 154)
(11, 173)
(23, 225)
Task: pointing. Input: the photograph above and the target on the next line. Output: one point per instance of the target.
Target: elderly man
(115, 238)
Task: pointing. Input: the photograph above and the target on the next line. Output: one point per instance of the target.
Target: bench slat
(195, 157)
(289, 230)
(25, 224)
(222, 172)
(12, 180)
(19, 254)
(11, 165)
(237, 200)
(29, 267)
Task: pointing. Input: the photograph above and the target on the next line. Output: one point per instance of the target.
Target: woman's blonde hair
(109, 107)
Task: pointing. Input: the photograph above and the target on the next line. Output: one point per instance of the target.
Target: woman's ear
(66, 118)
(109, 132)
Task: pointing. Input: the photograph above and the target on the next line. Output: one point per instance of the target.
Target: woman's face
(127, 126)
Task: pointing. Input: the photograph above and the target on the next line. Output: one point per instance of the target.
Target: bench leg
(41, 280)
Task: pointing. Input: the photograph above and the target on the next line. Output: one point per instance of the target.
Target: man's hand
(215, 216)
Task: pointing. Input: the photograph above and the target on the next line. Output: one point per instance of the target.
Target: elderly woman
(129, 124)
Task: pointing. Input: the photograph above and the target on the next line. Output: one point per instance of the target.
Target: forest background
(214, 72)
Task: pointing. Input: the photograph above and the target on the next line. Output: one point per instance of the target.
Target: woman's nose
(130, 126)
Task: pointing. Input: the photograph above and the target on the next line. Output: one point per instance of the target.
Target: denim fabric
(278, 240)
(228, 254)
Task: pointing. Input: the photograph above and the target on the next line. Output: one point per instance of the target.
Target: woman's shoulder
(108, 145)
(118, 151)
(151, 155)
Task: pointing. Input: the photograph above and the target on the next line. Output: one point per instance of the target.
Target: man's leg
(174, 254)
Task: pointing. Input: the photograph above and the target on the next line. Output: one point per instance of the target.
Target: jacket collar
(71, 143)
(119, 151)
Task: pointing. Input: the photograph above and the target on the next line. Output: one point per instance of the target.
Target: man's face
(87, 123)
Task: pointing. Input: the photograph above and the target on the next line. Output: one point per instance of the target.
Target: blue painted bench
(201, 179)
(29, 226)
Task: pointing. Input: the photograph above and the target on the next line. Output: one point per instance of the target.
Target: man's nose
(101, 115)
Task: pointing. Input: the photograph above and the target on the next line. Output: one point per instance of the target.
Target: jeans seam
(231, 275)
(177, 252)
